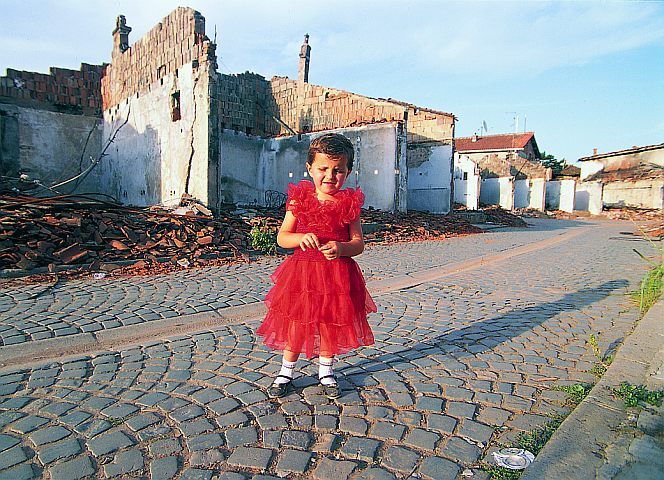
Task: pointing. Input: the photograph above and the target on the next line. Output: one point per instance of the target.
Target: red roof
(508, 141)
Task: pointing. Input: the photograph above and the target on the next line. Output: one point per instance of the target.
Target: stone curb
(576, 449)
(36, 352)
(29, 354)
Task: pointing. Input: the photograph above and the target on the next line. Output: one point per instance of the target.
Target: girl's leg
(326, 377)
(288, 362)
(282, 382)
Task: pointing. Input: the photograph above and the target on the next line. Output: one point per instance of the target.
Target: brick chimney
(303, 68)
(120, 35)
(594, 151)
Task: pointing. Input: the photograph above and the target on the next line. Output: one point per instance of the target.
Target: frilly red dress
(318, 305)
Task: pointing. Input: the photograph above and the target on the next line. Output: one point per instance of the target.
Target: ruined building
(159, 120)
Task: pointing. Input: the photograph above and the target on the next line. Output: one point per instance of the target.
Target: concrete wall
(490, 191)
(249, 165)
(567, 195)
(639, 194)
(588, 197)
(156, 156)
(466, 182)
(430, 177)
(537, 193)
(553, 195)
(497, 191)
(561, 195)
(49, 146)
(522, 194)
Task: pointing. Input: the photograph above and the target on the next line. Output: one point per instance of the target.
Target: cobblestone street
(465, 359)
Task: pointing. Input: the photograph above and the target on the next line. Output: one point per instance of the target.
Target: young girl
(319, 303)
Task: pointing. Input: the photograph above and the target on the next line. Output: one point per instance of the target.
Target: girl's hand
(309, 240)
(331, 250)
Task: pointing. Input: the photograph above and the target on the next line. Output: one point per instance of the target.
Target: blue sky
(581, 75)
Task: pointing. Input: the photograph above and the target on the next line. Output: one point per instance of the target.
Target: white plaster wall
(641, 194)
(490, 191)
(52, 146)
(522, 194)
(567, 195)
(497, 191)
(589, 167)
(588, 197)
(249, 166)
(506, 193)
(537, 193)
(553, 195)
(430, 182)
(466, 192)
(152, 155)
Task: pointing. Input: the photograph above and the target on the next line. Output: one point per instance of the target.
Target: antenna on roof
(486, 130)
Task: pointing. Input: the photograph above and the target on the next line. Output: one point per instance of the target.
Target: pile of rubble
(387, 227)
(495, 214)
(75, 230)
(74, 235)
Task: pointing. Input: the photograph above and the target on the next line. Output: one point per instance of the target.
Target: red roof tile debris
(509, 141)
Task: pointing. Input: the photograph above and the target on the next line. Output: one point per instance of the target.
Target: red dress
(319, 305)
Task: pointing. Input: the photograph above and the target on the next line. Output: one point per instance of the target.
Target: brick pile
(69, 89)
(178, 40)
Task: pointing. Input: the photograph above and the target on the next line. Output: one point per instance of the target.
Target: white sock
(325, 368)
(287, 369)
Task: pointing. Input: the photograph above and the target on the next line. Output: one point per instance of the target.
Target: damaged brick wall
(179, 39)
(243, 104)
(72, 91)
(311, 108)
(493, 165)
(427, 125)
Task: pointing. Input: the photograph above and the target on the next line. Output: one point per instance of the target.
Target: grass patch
(577, 392)
(632, 395)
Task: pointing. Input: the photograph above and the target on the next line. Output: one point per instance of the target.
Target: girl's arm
(353, 247)
(288, 238)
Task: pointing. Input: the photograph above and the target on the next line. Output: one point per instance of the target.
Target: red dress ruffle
(318, 305)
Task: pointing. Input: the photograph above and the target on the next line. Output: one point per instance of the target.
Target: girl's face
(328, 173)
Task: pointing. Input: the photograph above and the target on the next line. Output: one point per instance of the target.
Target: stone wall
(179, 39)
(69, 91)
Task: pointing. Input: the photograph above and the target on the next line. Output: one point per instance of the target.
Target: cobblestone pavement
(460, 364)
(38, 312)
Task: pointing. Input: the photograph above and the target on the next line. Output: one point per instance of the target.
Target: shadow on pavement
(480, 336)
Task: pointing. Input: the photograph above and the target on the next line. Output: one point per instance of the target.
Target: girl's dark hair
(333, 145)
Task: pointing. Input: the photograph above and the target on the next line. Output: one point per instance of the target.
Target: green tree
(553, 163)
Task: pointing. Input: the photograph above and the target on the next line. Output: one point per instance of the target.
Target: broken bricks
(71, 230)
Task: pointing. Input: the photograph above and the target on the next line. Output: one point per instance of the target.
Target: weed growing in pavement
(633, 394)
(604, 360)
(501, 473)
(650, 288)
(263, 238)
(533, 441)
(577, 392)
(651, 285)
